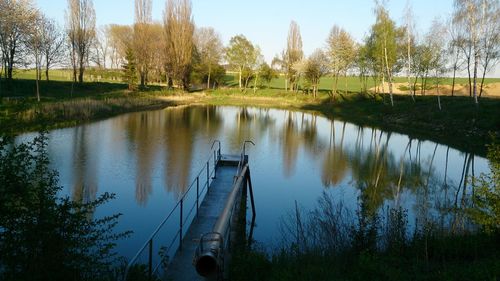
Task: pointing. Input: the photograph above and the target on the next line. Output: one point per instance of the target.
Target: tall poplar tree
(179, 29)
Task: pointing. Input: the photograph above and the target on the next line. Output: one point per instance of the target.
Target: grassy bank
(471, 257)
(64, 104)
(459, 124)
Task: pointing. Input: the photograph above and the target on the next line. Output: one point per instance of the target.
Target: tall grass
(34, 116)
(332, 243)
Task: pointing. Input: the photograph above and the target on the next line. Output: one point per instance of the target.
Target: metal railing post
(180, 226)
(215, 165)
(150, 264)
(197, 193)
(208, 174)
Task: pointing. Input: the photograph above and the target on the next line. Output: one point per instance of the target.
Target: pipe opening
(206, 265)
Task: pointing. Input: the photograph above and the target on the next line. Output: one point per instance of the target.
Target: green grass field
(91, 75)
(354, 84)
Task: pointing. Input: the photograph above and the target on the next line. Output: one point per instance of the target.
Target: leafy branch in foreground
(486, 199)
(44, 236)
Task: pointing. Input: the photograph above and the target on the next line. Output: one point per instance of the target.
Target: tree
(80, 25)
(143, 41)
(53, 45)
(44, 236)
(130, 70)
(101, 47)
(341, 53)
(210, 49)
(410, 42)
(156, 68)
(239, 55)
(435, 42)
(34, 43)
(490, 42)
(382, 42)
(16, 17)
(454, 51)
(313, 68)
(292, 55)
(472, 18)
(267, 73)
(362, 63)
(179, 29)
(120, 37)
(256, 61)
(486, 198)
(218, 75)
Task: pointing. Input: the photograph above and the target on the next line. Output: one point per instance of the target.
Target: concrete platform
(181, 268)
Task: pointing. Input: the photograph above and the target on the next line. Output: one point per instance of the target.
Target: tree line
(177, 53)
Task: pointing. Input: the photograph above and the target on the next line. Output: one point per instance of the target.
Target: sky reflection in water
(148, 160)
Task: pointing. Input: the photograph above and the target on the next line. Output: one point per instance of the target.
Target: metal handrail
(242, 156)
(211, 174)
(210, 257)
(209, 260)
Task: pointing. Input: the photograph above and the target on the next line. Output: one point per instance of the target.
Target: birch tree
(454, 51)
(341, 52)
(80, 24)
(383, 44)
(410, 42)
(239, 55)
(363, 66)
(34, 42)
(473, 17)
(257, 60)
(490, 41)
(436, 42)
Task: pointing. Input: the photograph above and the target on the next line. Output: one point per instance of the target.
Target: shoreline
(459, 124)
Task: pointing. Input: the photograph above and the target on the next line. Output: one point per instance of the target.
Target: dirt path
(491, 89)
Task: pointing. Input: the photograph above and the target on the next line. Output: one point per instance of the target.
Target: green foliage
(382, 43)
(486, 209)
(364, 232)
(218, 76)
(44, 236)
(130, 70)
(267, 74)
(239, 52)
(377, 250)
(203, 71)
(242, 55)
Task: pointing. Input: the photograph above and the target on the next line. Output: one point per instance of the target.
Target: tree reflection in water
(382, 169)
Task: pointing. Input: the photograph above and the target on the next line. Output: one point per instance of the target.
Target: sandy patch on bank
(491, 89)
(183, 97)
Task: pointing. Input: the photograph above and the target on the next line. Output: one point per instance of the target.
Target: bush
(44, 236)
(486, 210)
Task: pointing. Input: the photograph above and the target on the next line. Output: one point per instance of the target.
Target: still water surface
(149, 158)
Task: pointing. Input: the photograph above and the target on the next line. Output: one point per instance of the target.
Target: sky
(266, 22)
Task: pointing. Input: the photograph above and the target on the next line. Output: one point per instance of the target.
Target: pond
(149, 158)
